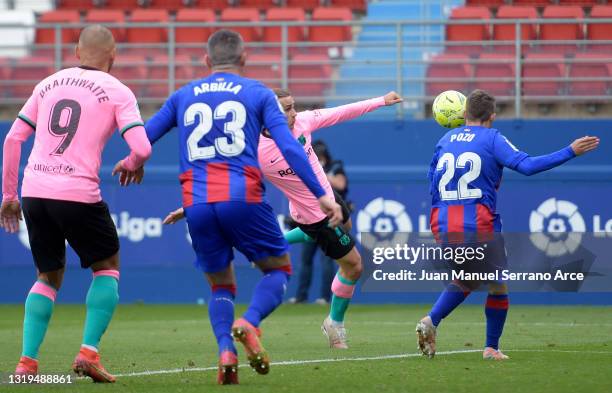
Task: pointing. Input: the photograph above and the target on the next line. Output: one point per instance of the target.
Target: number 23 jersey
(465, 174)
(73, 113)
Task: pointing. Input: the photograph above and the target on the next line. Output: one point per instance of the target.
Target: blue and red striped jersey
(219, 120)
(465, 174)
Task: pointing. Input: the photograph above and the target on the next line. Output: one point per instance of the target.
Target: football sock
(102, 299)
(342, 292)
(496, 310)
(296, 235)
(221, 315)
(38, 311)
(268, 295)
(449, 299)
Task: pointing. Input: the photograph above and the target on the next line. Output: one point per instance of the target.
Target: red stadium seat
(124, 5)
(249, 34)
(455, 67)
(148, 34)
(475, 32)
(592, 65)
(306, 4)
(508, 32)
(261, 4)
(26, 74)
(495, 66)
(577, 2)
(331, 33)
(265, 68)
(212, 4)
(108, 16)
(274, 34)
(355, 5)
(544, 65)
(169, 4)
(600, 31)
(313, 72)
(132, 71)
(535, 3)
(487, 3)
(184, 72)
(76, 4)
(193, 35)
(565, 32)
(47, 36)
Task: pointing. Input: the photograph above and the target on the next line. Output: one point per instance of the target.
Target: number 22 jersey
(465, 174)
(73, 113)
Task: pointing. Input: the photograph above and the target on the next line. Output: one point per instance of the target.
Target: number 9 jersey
(465, 174)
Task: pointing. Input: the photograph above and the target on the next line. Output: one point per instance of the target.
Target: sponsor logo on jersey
(60, 169)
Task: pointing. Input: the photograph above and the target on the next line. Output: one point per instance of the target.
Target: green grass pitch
(553, 349)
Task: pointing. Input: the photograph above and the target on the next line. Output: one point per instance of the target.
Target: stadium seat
(124, 5)
(355, 5)
(17, 40)
(76, 4)
(193, 35)
(544, 65)
(453, 66)
(592, 65)
(508, 32)
(475, 32)
(158, 70)
(170, 4)
(564, 32)
(132, 71)
(108, 16)
(274, 34)
(535, 3)
(148, 34)
(600, 31)
(34, 5)
(47, 35)
(261, 4)
(249, 34)
(487, 3)
(313, 72)
(26, 74)
(495, 66)
(212, 4)
(331, 33)
(306, 4)
(266, 68)
(578, 2)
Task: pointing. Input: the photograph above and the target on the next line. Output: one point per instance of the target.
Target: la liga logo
(556, 227)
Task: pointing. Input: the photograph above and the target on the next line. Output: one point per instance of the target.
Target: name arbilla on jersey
(60, 169)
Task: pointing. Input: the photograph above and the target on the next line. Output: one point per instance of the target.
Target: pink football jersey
(303, 206)
(74, 112)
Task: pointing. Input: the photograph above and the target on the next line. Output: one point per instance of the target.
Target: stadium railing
(541, 71)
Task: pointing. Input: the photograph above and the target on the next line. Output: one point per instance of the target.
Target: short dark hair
(282, 93)
(225, 47)
(480, 106)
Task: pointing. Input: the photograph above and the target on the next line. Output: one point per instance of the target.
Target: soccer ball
(449, 109)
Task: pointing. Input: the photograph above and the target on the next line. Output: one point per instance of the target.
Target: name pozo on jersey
(465, 136)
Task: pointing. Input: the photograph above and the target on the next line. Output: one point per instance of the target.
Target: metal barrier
(397, 55)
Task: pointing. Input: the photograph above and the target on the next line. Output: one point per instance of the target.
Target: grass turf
(553, 349)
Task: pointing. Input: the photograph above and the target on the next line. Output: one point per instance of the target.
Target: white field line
(357, 359)
(298, 362)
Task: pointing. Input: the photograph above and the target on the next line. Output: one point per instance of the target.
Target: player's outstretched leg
(296, 235)
(343, 288)
(38, 311)
(267, 297)
(101, 301)
(496, 310)
(454, 294)
(221, 316)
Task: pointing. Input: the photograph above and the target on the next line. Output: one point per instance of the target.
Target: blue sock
(496, 310)
(221, 315)
(268, 296)
(449, 299)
